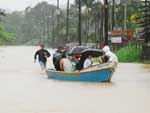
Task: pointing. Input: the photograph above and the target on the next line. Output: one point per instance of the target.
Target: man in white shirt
(112, 57)
(88, 62)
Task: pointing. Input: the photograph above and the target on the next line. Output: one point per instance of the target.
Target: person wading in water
(42, 54)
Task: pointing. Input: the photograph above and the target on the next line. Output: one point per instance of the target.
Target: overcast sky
(22, 4)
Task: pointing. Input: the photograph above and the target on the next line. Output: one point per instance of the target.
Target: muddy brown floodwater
(25, 89)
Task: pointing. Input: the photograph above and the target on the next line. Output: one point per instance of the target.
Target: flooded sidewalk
(24, 88)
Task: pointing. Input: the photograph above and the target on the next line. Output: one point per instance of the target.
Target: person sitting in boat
(103, 59)
(66, 50)
(88, 62)
(65, 64)
(59, 50)
(56, 61)
(74, 61)
(110, 56)
(57, 57)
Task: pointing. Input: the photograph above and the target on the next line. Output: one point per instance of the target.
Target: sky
(19, 5)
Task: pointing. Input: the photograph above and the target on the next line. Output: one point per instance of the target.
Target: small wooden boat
(97, 73)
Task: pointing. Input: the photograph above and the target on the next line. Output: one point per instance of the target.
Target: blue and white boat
(97, 73)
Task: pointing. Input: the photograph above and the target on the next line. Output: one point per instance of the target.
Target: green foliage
(30, 24)
(36, 23)
(132, 8)
(130, 53)
(5, 36)
(147, 62)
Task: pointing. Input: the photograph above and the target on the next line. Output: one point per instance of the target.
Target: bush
(130, 53)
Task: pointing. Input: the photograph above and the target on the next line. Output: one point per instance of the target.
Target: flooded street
(24, 88)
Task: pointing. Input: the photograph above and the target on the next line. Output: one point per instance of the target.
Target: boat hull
(102, 74)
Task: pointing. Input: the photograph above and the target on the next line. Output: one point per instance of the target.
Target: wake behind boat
(97, 73)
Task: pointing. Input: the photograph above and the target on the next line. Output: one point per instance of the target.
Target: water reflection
(85, 84)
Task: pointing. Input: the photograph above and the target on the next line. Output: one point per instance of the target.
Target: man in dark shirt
(42, 54)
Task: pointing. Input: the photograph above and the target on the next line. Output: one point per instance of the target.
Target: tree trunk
(79, 24)
(58, 19)
(67, 26)
(106, 21)
(53, 32)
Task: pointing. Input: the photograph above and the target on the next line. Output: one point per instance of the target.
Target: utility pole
(106, 21)
(79, 24)
(113, 14)
(67, 26)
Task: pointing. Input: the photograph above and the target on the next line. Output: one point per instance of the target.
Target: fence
(136, 44)
(130, 52)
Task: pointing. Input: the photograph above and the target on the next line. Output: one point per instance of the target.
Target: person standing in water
(111, 57)
(42, 54)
